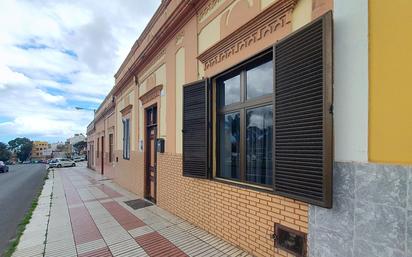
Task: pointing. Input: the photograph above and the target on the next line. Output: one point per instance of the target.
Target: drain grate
(138, 203)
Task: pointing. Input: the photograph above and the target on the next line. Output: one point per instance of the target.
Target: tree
(22, 147)
(5, 153)
(79, 146)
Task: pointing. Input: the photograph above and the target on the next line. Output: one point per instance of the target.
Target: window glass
(230, 91)
(126, 139)
(260, 80)
(259, 130)
(230, 146)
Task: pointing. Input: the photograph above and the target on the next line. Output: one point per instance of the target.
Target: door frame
(147, 154)
(102, 154)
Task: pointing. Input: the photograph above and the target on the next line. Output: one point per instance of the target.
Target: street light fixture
(84, 109)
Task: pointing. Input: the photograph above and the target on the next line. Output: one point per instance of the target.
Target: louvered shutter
(196, 130)
(302, 114)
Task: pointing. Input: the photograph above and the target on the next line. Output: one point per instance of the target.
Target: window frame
(98, 148)
(111, 147)
(126, 138)
(242, 107)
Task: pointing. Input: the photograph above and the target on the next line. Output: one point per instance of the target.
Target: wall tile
(383, 184)
(371, 214)
(367, 249)
(409, 202)
(312, 214)
(343, 180)
(409, 234)
(325, 239)
(380, 224)
(312, 239)
(340, 217)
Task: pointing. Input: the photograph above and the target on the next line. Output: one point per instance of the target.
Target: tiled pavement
(88, 217)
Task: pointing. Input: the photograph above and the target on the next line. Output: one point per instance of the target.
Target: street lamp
(84, 109)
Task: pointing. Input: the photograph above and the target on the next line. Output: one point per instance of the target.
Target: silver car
(61, 162)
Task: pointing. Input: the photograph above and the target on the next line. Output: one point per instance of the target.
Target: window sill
(244, 185)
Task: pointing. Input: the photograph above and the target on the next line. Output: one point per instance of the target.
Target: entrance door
(151, 135)
(102, 154)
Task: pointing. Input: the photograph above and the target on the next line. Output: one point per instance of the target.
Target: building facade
(278, 125)
(38, 150)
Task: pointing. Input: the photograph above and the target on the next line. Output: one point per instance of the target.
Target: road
(18, 187)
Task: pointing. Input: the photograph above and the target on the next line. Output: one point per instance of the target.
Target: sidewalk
(89, 217)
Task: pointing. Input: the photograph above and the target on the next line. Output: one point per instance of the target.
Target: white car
(61, 162)
(79, 159)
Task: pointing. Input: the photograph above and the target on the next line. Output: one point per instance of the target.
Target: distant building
(38, 148)
(72, 141)
(76, 138)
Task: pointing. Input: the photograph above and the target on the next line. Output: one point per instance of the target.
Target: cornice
(181, 15)
(207, 8)
(126, 109)
(151, 94)
(144, 34)
(108, 110)
(267, 22)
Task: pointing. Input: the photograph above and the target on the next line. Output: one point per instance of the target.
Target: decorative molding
(104, 112)
(151, 94)
(207, 9)
(266, 23)
(126, 109)
(168, 24)
(153, 65)
(179, 37)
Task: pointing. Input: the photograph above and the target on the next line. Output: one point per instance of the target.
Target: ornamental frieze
(267, 23)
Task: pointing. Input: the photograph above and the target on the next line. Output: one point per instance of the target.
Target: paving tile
(102, 252)
(140, 231)
(88, 218)
(139, 252)
(29, 251)
(156, 245)
(90, 246)
(124, 247)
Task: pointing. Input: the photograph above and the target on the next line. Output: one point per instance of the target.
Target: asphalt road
(18, 187)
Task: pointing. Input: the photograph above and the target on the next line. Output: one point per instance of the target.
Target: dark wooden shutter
(303, 114)
(196, 130)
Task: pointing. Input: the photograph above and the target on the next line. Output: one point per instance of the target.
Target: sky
(56, 55)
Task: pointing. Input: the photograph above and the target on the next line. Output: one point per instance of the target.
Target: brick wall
(241, 216)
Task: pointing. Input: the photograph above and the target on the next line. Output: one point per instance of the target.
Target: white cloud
(55, 55)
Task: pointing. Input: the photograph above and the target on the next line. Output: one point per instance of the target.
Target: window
(126, 139)
(271, 130)
(110, 147)
(245, 124)
(98, 144)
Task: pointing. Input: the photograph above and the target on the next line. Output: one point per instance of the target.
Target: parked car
(62, 162)
(26, 162)
(3, 167)
(79, 159)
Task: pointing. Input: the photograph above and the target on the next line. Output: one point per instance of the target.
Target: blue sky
(61, 56)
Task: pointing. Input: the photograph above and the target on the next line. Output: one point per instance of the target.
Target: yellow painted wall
(209, 34)
(390, 55)
(180, 81)
(302, 14)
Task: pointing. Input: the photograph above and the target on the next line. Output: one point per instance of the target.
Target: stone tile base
(371, 214)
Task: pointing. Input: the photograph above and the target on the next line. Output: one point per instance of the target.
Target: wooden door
(151, 165)
(102, 154)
